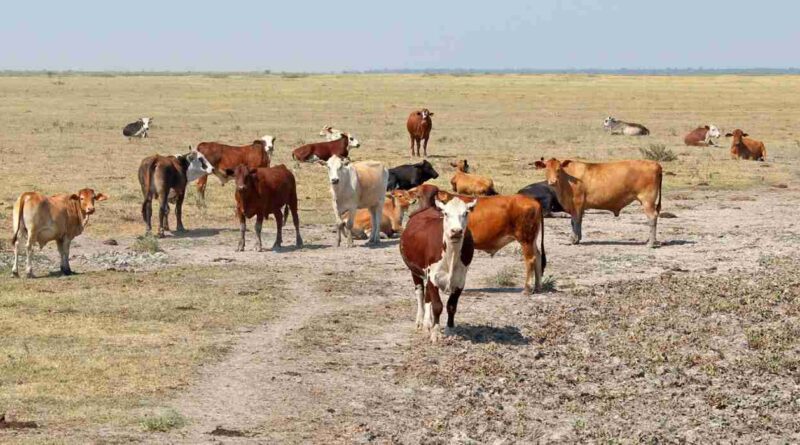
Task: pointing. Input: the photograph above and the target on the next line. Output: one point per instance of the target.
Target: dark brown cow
(437, 248)
(261, 192)
(224, 157)
(324, 150)
(419, 126)
(742, 147)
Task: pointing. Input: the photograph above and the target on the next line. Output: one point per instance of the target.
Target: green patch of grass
(163, 421)
(146, 244)
(549, 283)
(658, 152)
(505, 277)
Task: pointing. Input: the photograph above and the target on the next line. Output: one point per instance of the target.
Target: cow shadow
(196, 233)
(637, 243)
(293, 247)
(493, 290)
(506, 335)
(383, 244)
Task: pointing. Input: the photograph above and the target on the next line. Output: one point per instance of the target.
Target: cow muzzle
(456, 234)
(335, 181)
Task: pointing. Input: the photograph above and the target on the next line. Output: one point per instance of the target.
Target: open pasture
(696, 340)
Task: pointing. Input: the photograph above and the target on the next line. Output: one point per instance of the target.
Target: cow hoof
(526, 290)
(240, 249)
(14, 274)
(161, 235)
(299, 243)
(277, 248)
(449, 332)
(29, 274)
(181, 229)
(436, 335)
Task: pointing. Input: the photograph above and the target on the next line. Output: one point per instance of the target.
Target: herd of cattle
(442, 230)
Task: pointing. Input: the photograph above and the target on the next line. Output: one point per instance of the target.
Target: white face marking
(269, 142)
(198, 166)
(352, 142)
(424, 114)
(608, 121)
(713, 131)
(146, 123)
(455, 217)
(336, 165)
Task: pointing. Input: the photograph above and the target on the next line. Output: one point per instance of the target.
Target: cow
(606, 186)
(137, 129)
(330, 133)
(226, 157)
(394, 210)
(545, 194)
(165, 178)
(702, 136)
(261, 192)
(466, 183)
(419, 126)
(408, 176)
(742, 147)
(437, 247)
(495, 222)
(359, 185)
(322, 151)
(625, 128)
(58, 218)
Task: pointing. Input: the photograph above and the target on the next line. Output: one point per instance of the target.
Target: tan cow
(742, 147)
(394, 210)
(466, 183)
(606, 186)
(58, 218)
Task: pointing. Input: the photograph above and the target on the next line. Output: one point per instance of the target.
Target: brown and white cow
(605, 186)
(330, 133)
(394, 210)
(437, 247)
(702, 136)
(226, 157)
(742, 147)
(322, 151)
(165, 178)
(466, 183)
(419, 126)
(261, 192)
(58, 218)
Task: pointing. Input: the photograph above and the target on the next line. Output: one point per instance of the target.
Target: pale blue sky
(360, 35)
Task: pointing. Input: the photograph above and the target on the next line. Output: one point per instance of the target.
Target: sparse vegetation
(146, 244)
(658, 152)
(163, 421)
(505, 277)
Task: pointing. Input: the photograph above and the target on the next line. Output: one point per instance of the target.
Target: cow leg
(147, 214)
(201, 187)
(452, 306)
(419, 293)
(15, 265)
(652, 217)
(242, 229)
(533, 267)
(29, 253)
(375, 230)
(179, 211)
(412, 145)
(296, 221)
(259, 222)
(163, 212)
(425, 147)
(279, 234)
(436, 312)
(577, 219)
(63, 249)
(348, 229)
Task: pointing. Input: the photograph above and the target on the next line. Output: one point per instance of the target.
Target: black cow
(545, 194)
(408, 176)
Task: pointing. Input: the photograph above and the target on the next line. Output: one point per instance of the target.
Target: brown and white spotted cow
(226, 157)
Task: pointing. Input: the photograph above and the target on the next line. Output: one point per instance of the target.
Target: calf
(394, 210)
(545, 194)
(419, 126)
(360, 185)
(226, 157)
(742, 147)
(137, 129)
(58, 218)
(606, 186)
(702, 136)
(322, 151)
(165, 178)
(468, 184)
(625, 128)
(408, 176)
(330, 133)
(437, 247)
(261, 192)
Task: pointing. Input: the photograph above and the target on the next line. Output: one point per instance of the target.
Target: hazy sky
(358, 35)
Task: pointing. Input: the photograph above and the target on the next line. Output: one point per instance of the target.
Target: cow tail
(660, 181)
(541, 232)
(286, 214)
(17, 215)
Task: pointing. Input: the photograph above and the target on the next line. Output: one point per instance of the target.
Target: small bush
(549, 284)
(658, 152)
(505, 277)
(163, 421)
(146, 244)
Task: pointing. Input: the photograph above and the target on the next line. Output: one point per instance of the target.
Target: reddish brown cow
(742, 147)
(419, 126)
(702, 136)
(261, 192)
(226, 157)
(324, 150)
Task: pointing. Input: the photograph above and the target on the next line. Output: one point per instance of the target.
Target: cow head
(454, 214)
(146, 122)
(351, 141)
(737, 135)
(402, 198)
(242, 176)
(196, 164)
(330, 133)
(427, 170)
(553, 168)
(425, 113)
(269, 143)
(338, 169)
(461, 165)
(86, 199)
(609, 121)
(713, 131)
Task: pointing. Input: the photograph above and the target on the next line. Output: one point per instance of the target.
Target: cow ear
(565, 163)
(727, 135)
(100, 197)
(346, 161)
(745, 134)
(74, 197)
(430, 113)
(471, 205)
(439, 204)
(540, 165)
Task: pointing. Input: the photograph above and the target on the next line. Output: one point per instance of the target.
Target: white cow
(359, 185)
(329, 133)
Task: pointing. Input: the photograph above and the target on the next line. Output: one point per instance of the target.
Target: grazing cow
(324, 150)
(226, 157)
(405, 177)
(702, 136)
(261, 192)
(360, 185)
(742, 147)
(545, 194)
(437, 247)
(165, 178)
(330, 133)
(419, 127)
(58, 218)
(606, 186)
(495, 222)
(137, 129)
(466, 183)
(626, 128)
(394, 210)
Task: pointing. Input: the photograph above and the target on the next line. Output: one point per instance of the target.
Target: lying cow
(226, 157)
(322, 151)
(58, 218)
(437, 247)
(419, 126)
(466, 183)
(405, 177)
(545, 194)
(261, 192)
(137, 129)
(165, 178)
(606, 186)
(742, 147)
(625, 128)
(394, 210)
(360, 185)
(702, 136)
(330, 133)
